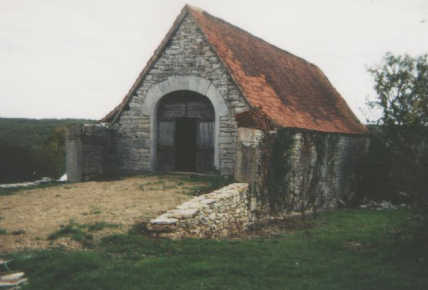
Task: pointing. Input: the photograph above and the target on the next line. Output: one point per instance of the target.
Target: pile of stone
(10, 280)
(381, 205)
(221, 213)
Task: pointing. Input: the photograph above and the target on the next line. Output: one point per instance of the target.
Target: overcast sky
(77, 59)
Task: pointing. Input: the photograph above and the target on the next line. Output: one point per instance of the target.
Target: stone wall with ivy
(296, 170)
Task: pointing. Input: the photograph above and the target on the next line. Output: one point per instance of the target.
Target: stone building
(205, 102)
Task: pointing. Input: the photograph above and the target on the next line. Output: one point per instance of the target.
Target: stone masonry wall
(306, 169)
(187, 54)
(73, 156)
(322, 167)
(248, 155)
(218, 214)
(87, 152)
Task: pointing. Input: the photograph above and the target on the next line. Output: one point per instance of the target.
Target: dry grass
(29, 216)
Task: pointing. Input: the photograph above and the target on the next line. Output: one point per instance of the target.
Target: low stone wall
(218, 214)
(87, 151)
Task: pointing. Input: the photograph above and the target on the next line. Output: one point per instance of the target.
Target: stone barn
(214, 98)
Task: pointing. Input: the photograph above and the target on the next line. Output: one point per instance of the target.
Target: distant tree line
(30, 149)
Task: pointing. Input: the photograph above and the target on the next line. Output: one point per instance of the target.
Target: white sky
(77, 59)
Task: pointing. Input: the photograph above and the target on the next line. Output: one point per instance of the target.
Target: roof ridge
(292, 91)
(197, 9)
(191, 7)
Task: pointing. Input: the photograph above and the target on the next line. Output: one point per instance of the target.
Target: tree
(51, 156)
(17, 163)
(401, 84)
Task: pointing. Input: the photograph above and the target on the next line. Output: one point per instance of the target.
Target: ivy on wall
(294, 166)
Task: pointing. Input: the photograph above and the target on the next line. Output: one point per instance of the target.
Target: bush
(397, 163)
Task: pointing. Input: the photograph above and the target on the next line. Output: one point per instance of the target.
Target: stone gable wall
(186, 54)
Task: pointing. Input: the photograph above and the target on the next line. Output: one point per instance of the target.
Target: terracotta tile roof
(254, 118)
(289, 90)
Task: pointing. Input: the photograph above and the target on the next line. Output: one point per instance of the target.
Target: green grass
(212, 183)
(98, 226)
(74, 231)
(3, 231)
(80, 232)
(346, 249)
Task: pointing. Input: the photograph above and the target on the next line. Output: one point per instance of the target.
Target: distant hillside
(32, 148)
(31, 133)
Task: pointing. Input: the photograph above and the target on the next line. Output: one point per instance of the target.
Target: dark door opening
(185, 132)
(185, 144)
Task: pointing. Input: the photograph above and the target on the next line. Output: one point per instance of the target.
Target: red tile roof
(289, 90)
(254, 118)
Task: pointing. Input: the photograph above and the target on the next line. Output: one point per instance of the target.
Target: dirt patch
(29, 216)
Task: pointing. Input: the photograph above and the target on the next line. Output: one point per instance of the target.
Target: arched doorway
(185, 132)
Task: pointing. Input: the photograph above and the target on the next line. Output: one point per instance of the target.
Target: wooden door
(185, 144)
(205, 146)
(166, 142)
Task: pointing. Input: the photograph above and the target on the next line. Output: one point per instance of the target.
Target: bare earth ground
(34, 214)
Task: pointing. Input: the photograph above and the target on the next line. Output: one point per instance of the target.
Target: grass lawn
(346, 249)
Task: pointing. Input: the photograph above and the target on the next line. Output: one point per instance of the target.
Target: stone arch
(185, 135)
(183, 83)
